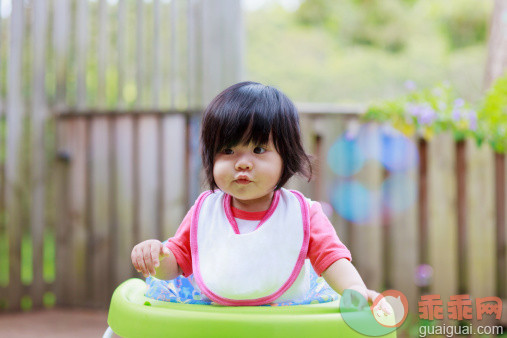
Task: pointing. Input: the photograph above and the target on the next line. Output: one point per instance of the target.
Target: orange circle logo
(396, 302)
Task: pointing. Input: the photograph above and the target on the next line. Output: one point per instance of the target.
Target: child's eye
(228, 151)
(259, 150)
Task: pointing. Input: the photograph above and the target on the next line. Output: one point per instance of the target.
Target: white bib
(255, 268)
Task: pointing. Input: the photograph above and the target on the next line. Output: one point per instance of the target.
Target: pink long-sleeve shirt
(324, 248)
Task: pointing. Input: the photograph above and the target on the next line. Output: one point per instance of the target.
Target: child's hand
(370, 296)
(146, 256)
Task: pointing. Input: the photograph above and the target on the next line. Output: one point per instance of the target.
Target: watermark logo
(398, 304)
(459, 307)
(372, 321)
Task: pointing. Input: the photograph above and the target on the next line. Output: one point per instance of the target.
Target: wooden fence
(119, 178)
(123, 178)
(79, 55)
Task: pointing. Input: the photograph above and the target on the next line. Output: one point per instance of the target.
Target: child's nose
(244, 164)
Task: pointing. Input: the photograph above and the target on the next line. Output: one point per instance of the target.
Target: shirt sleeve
(325, 247)
(180, 244)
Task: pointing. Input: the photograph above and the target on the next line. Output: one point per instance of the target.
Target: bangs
(254, 129)
(244, 120)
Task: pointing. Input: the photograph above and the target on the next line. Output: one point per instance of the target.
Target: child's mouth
(243, 181)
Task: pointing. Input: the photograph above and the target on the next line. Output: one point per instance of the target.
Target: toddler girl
(248, 241)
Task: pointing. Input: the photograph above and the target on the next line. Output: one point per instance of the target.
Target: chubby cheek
(220, 173)
(276, 168)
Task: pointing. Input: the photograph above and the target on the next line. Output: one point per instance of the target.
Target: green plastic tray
(131, 315)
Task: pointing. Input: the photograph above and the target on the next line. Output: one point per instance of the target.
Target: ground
(54, 323)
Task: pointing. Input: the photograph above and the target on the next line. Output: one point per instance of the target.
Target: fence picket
(125, 201)
(38, 121)
(82, 45)
(173, 78)
(502, 240)
(62, 287)
(480, 246)
(79, 216)
(4, 263)
(112, 196)
(174, 167)
(61, 32)
(156, 50)
(139, 54)
(100, 205)
(121, 53)
(148, 176)
(442, 221)
(13, 172)
(481, 225)
(102, 53)
(368, 234)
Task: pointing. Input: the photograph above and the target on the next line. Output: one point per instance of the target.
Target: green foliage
(389, 24)
(371, 23)
(493, 115)
(428, 112)
(464, 25)
(352, 51)
(439, 109)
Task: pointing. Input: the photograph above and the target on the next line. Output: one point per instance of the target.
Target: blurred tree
(497, 53)
(384, 24)
(380, 24)
(363, 50)
(464, 25)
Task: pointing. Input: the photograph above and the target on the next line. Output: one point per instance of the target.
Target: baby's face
(249, 173)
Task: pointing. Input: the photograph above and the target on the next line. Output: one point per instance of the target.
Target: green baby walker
(158, 308)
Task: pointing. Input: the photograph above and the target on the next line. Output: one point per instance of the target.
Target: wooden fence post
(461, 171)
(38, 171)
(501, 264)
(14, 175)
(423, 206)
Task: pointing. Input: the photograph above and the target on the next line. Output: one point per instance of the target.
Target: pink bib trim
(295, 272)
(269, 212)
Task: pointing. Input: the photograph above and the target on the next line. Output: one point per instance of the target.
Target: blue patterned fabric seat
(182, 290)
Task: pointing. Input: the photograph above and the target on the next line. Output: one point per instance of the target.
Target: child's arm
(169, 268)
(343, 275)
(151, 257)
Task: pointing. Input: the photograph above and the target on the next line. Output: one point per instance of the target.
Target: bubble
(327, 209)
(423, 275)
(345, 157)
(410, 85)
(369, 141)
(352, 201)
(399, 192)
(398, 153)
(394, 151)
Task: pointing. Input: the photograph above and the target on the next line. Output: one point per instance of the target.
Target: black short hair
(249, 112)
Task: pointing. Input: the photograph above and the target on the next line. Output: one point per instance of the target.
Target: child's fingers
(382, 303)
(136, 259)
(385, 306)
(133, 258)
(154, 252)
(141, 264)
(148, 262)
(165, 251)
